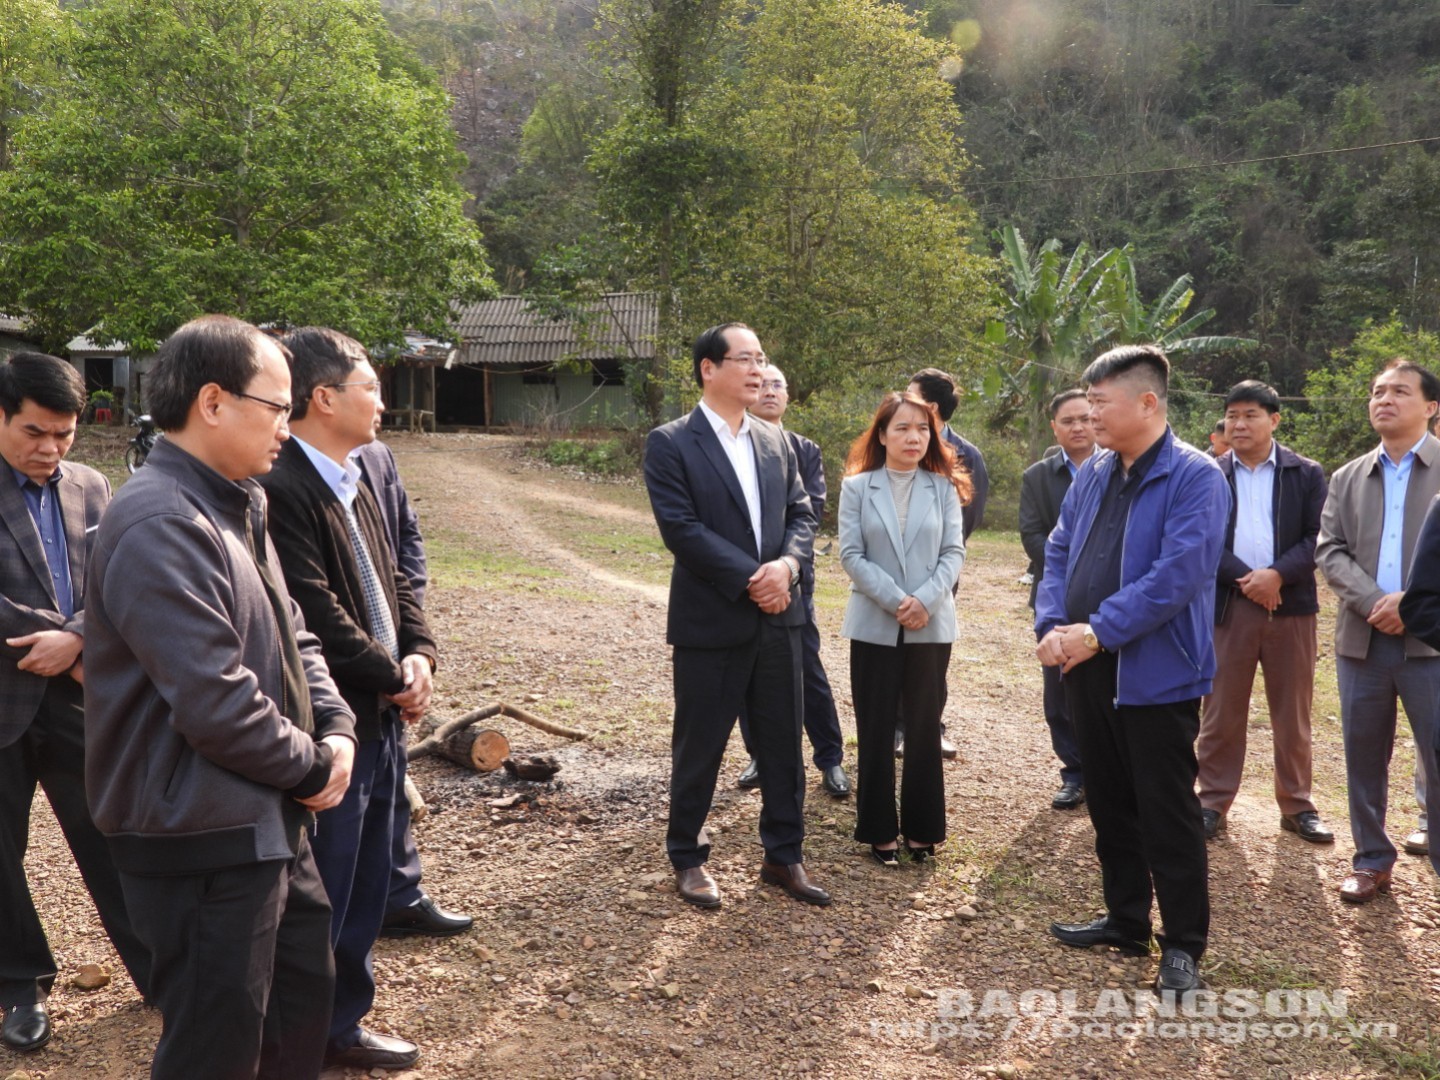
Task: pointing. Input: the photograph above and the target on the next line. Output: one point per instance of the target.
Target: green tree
(654, 161)
(834, 227)
(286, 161)
(1335, 426)
(1061, 312)
(33, 36)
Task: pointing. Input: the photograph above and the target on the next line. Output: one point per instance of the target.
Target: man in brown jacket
(1368, 530)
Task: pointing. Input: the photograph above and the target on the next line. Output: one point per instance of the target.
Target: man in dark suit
(1419, 611)
(1042, 490)
(49, 509)
(938, 388)
(822, 723)
(408, 910)
(337, 563)
(726, 491)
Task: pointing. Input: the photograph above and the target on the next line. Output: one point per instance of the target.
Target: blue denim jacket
(1161, 622)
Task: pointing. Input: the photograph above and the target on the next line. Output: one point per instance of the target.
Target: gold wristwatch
(1091, 641)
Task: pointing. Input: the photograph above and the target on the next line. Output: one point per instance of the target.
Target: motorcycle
(140, 446)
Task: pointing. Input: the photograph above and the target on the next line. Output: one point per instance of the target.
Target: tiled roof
(508, 332)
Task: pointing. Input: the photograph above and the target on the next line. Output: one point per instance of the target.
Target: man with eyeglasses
(213, 729)
(822, 724)
(728, 497)
(330, 537)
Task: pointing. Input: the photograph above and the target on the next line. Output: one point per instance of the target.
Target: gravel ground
(550, 595)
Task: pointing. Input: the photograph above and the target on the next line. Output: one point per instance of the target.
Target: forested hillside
(1296, 251)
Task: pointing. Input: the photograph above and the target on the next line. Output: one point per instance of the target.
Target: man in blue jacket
(1126, 611)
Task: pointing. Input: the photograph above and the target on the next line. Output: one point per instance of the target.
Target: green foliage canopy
(285, 161)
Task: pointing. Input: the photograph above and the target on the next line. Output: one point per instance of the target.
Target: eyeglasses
(773, 384)
(373, 386)
(759, 360)
(281, 409)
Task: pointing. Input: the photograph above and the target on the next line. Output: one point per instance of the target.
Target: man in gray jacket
(214, 730)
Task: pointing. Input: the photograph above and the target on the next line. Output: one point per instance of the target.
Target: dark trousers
(353, 845)
(1140, 790)
(243, 971)
(879, 676)
(822, 722)
(51, 753)
(404, 856)
(711, 687)
(1062, 729)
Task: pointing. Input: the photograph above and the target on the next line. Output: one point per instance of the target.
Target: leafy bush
(610, 457)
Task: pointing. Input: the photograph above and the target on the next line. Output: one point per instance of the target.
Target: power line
(1205, 164)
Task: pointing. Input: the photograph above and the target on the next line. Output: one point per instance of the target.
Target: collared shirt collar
(722, 426)
(1273, 458)
(343, 480)
(1385, 458)
(21, 479)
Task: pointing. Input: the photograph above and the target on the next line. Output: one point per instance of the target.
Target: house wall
(570, 401)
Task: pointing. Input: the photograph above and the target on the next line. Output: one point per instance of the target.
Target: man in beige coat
(1368, 531)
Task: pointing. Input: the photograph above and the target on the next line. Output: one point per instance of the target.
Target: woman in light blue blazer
(902, 545)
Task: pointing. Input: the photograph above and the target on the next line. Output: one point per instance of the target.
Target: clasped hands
(414, 700)
(769, 587)
(912, 614)
(1064, 647)
(1385, 615)
(52, 652)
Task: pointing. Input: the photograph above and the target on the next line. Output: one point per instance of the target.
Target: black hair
(711, 345)
(217, 349)
(46, 380)
(1255, 392)
(1429, 383)
(1147, 362)
(1219, 428)
(318, 357)
(938, 389)
(1061, 398)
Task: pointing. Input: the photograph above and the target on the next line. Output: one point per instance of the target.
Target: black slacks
(244, 975)
(1140, 770)
(880, 676)
(711, 687)
(51, 753)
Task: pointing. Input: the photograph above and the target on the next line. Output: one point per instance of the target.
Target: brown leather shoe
(794, 881)
(697, 887)
(1361, 885)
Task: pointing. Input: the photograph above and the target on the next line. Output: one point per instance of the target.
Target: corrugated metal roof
(84, 346)
(509, 332)
(10, 324)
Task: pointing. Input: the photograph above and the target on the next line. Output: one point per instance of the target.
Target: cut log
(532, 766)
(439, 735)
(481, 749)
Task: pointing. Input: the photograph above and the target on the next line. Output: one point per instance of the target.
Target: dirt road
(549, 592)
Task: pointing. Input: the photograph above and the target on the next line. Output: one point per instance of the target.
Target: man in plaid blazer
(49, 510)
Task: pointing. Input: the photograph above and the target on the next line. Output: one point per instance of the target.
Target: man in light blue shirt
(1265, 614)
(1368, 533)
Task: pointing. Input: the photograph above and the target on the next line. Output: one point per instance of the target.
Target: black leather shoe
(1214, 823)
(1308, 826)
(374, 1051)
(749, 776)
(794, 881)
(948, 750)
(425, 917)
(26, 1027)
(696, 886)
(835, 782)
(1099, 932)
(1177, 975)
(1068, 797)
(886, 857)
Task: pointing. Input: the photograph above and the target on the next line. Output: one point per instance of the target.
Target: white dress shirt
(1255, 510)
(740, 449)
